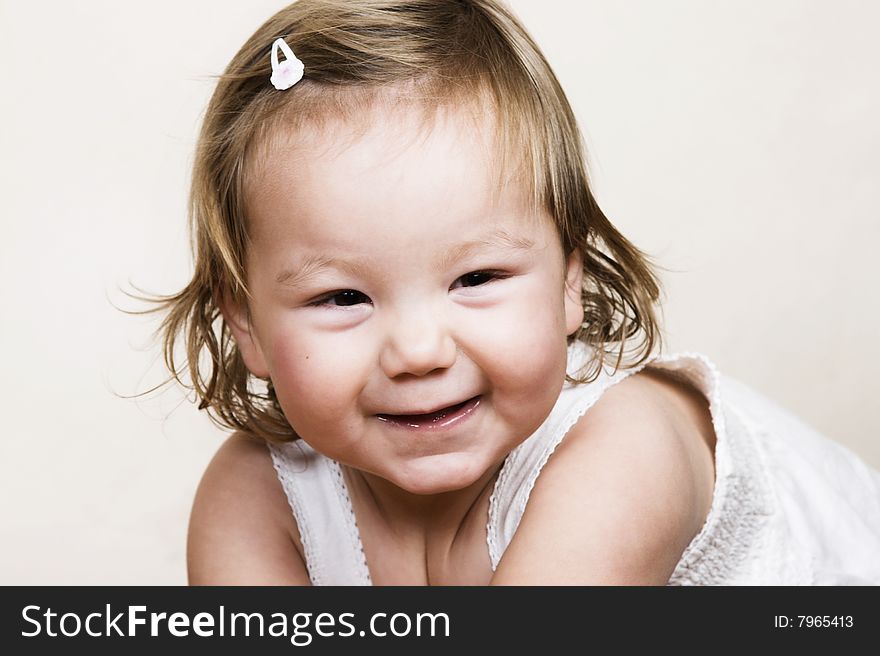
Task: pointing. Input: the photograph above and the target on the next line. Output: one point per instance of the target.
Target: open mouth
(434, 420)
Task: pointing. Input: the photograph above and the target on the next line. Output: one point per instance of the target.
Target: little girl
(441, 359)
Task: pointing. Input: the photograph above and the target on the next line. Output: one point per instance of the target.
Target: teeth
(432, 417)
(442, 414)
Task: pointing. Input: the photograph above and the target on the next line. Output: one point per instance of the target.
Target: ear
(574, 282)
(237, 318)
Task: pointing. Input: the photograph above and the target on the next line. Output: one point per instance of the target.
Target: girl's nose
(418, 342)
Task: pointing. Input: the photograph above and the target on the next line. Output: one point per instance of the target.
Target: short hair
(357, 53)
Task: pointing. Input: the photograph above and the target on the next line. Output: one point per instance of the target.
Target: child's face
(410, 291)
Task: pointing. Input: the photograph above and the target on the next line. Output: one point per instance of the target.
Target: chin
(438, 474)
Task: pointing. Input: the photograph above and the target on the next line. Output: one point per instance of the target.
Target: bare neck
(431, 520)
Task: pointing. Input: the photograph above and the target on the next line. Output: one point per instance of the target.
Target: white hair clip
(287, 73)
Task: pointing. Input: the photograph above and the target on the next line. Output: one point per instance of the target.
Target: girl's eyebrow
(499, 238)
(314, 264)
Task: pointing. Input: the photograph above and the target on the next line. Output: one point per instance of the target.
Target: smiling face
(411, 315)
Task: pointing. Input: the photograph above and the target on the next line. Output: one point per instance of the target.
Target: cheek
(523, 349)
(316, 380)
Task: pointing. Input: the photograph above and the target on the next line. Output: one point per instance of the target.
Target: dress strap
(322, 508)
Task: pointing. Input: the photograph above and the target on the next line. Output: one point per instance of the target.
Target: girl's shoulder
(637, 469)
(241, 530)
(687, 407)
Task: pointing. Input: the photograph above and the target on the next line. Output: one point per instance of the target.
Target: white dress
(790, 506)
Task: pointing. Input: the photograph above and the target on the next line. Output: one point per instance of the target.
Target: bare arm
(619, 500)
(241, 529)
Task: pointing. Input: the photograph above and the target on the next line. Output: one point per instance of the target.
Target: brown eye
(476, 278)
(344, 298)
(350, 297)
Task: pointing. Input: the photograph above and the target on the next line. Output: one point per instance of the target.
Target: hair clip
(287, 73)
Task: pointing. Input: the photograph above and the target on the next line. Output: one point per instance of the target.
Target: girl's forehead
(397, 161)
(383, 132)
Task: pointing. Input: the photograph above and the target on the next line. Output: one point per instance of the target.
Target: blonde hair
(357, 52)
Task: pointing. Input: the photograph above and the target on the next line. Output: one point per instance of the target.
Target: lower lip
(433, 422)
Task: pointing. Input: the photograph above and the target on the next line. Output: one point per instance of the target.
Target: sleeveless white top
(790, 506)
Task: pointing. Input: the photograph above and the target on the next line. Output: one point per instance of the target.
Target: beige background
(736, 141)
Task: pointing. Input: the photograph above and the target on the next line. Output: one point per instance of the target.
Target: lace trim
(495, 550)
(741, 500)
(283, 463)
(351, 528)
(741, 505)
